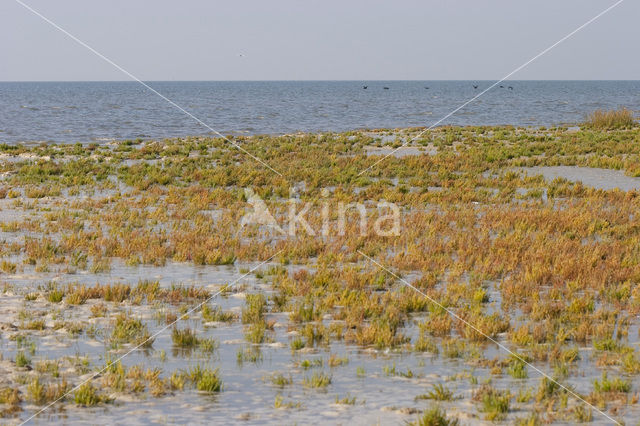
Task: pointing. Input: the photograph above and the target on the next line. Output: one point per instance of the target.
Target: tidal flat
(131, 289)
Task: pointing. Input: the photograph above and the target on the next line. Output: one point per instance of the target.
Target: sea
(71, 112)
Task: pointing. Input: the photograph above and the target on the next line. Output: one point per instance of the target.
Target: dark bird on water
(426, 87)
(364, 87)
(475, 86)
(502, 87)
(385, 88)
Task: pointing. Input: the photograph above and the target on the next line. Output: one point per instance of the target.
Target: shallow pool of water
(589, 176)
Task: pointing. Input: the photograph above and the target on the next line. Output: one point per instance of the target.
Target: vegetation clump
(87, 395)
(494, 403)
(612, 119)
(435, 416)
(129, 330)
(317, 380)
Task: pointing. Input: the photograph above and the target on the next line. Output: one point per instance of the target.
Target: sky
(318, 40)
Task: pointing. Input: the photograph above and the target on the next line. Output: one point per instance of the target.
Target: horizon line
(310, 80)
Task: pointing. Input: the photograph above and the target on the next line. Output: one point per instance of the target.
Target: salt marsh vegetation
(105, 246)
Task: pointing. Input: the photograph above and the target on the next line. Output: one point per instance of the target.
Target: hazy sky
(318, 40)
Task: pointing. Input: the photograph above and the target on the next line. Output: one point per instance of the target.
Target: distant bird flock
(475, 86)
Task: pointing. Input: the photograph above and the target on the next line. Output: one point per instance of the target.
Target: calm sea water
(102, 111)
